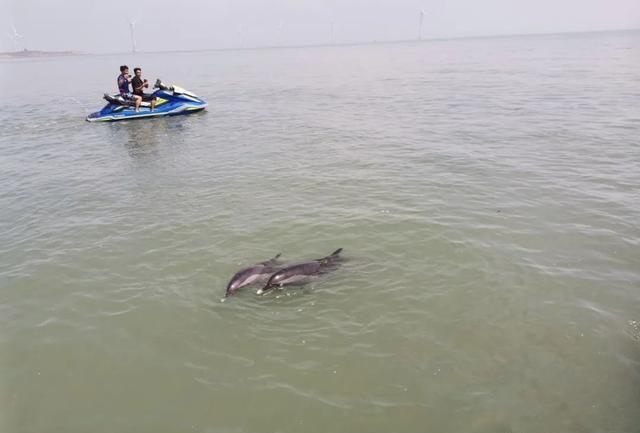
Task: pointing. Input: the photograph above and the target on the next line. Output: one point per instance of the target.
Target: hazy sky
(102, 25)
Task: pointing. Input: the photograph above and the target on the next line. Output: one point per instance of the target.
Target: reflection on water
(141, 138)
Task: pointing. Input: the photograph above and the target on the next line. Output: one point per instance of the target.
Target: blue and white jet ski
(170, 101)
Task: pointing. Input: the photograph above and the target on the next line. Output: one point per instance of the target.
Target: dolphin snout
(264, 290)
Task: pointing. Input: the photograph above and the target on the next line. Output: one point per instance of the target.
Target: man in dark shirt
(123, 87)
(138, 84)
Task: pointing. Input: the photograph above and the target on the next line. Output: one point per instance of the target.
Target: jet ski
(170, 101)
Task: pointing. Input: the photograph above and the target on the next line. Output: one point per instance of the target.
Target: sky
(102, 26)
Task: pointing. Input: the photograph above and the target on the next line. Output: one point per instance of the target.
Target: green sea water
(486, 193)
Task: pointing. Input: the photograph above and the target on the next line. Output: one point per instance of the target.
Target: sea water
(486, 193)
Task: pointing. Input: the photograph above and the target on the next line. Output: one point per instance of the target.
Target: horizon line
(318, 45)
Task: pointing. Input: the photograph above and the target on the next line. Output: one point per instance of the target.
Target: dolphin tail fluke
(276, 256)
(336, 252)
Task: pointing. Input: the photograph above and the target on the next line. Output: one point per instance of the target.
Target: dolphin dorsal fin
(331, 256)
(272, 260)
(336, 252)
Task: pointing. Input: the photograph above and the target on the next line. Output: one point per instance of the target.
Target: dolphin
(258, 273)
(302, 273)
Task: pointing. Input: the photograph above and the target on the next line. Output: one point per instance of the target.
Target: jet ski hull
(168, 103)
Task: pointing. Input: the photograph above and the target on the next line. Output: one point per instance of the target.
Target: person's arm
(139, 87)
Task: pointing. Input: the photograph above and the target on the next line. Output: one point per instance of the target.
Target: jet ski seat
(119, 100)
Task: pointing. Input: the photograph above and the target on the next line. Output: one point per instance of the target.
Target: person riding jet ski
(166, 100)
(138, 84)
(124, 79)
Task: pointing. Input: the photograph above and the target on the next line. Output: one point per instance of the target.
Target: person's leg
(153, 104)
(138, 101)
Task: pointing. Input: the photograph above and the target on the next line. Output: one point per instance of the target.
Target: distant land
(25, 54)
(39, 53)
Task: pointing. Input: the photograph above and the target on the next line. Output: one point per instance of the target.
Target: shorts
(147, 97)
(127, 96)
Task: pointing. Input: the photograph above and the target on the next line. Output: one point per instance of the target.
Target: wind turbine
(420, 25)
(333, 33)
(280, 27)
(132, 29)
(14, 37)
(241, 35)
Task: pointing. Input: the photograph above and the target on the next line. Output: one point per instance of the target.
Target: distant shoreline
(27, 54)
(378, 42)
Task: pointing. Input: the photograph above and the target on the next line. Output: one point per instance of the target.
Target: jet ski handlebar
(160, 85)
